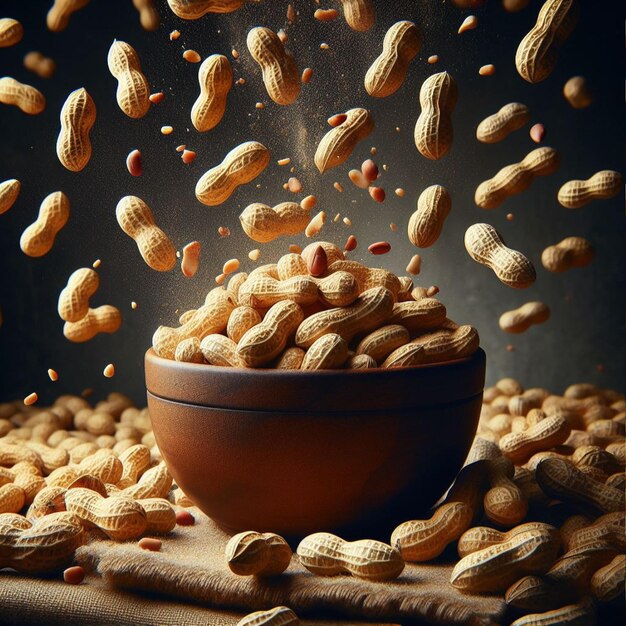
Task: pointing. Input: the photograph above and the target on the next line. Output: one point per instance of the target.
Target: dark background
(583, 340)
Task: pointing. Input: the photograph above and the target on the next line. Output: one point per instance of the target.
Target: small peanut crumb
(157, 97)
(369, 170)
(351, 243)
(433, 290)
(415, 265)
(338, 186)
(223, 231)
(285, 186)
(433, 58)
(185, 518)
(178, 254)
(385, 167)
(167, 130)
(393, 226)
(240, 81)
(219, 279)
(510, 348)
(181, 147)
(109, 371)
(308, 202)
(74, 575)
(191, 56)
(286, 161)
(294, 248)
(86, 393)
(336, 218)
(282, 35)
(373, 150)
(254, 255)
(259, 105)
(294, 185)
(53, 375)
(347, 221)
(96, 264)
(150, 543)
(326, 15)
(232, 265)
(31, 398)
(324, 46)
(175, 34)
(133, 305)
(487, 70)
(358, 179)
(399, 192)
(377, 193)
(188, 156)
(337, 119)
(291, 14)
(469, 23)
(235, 53)
(307, 74)
(537, 133)
(315, 225)
(510, 217)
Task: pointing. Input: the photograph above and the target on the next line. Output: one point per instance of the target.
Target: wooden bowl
(354, 452)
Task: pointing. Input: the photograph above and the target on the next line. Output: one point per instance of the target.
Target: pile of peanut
(536, 513)
(316, 310)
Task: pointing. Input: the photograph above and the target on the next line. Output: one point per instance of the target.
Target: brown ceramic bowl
(346, 451)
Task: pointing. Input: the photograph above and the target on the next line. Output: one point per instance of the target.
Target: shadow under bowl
(355, 452)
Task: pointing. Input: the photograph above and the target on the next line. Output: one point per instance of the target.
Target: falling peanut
(58, 17)
(133, 90)
(11, 32)
(104, 319)
(216, 78)
(433, 207)
(603, 185)
(567, 254)
(148, 15)
(280, 71)
(484, 244)
(26, 98)
(500, 125)
(191, 259)
(9, 191)
(359, 14)
(74, 299)
(43, 66)
(577, 93)
(433, 130)
(521, 319)
(387, 73)
(263, 223)
(195, 9)
(38, 239)
(78, 116)
(240, 166)
(137, 221)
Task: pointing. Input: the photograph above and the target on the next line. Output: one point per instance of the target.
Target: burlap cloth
(131, 585)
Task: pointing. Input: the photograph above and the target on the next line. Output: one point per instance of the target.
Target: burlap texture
(191, 567)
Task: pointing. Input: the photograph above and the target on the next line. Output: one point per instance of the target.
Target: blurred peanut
(58, 17)
(521, 319)
(577, 93)
(569, 253)
(41, 65)
(148, 15)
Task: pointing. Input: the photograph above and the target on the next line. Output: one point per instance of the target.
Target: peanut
(500, 125)
(338, 143)
(9, 191)
(517, 177)
(160, 515)
(366, 277)
(484, 244)
(257, 554)
(11, 32)
(118, 516)
(133, 89)
(219, 350)
(43, 66)
(58, 17)
(280, 70)
(603, 185)
(561, 480)
(330, 351)
(12, 498)
(577, 93)
(380, 343)
(567, 254)
(370, 309)
(548, 433)
(290, 359)
(216, 78)
(324, 554)
(74, 299)
(240, 166)
(424, 540)
(401, 44)
(43, 547)
(608, 582)
(361, 362)
(292, 265)
(433, 207)
(78, 116)
(242, 319)
(537, 52)
(579, 613)
(521, 319)
(38, 238)
(148, 15)
(263, 223)
(265, 341)
(481, 537)
(426, 314)
(278, 616)
(433, 130)
(359, 14)
(137, 220)
(264, 291)
(504, 503)
(333, 253)
(494, 568)
(26, 98)
(195, 9)
(103, 319)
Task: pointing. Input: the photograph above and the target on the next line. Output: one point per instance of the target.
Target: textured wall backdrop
(584, 339)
